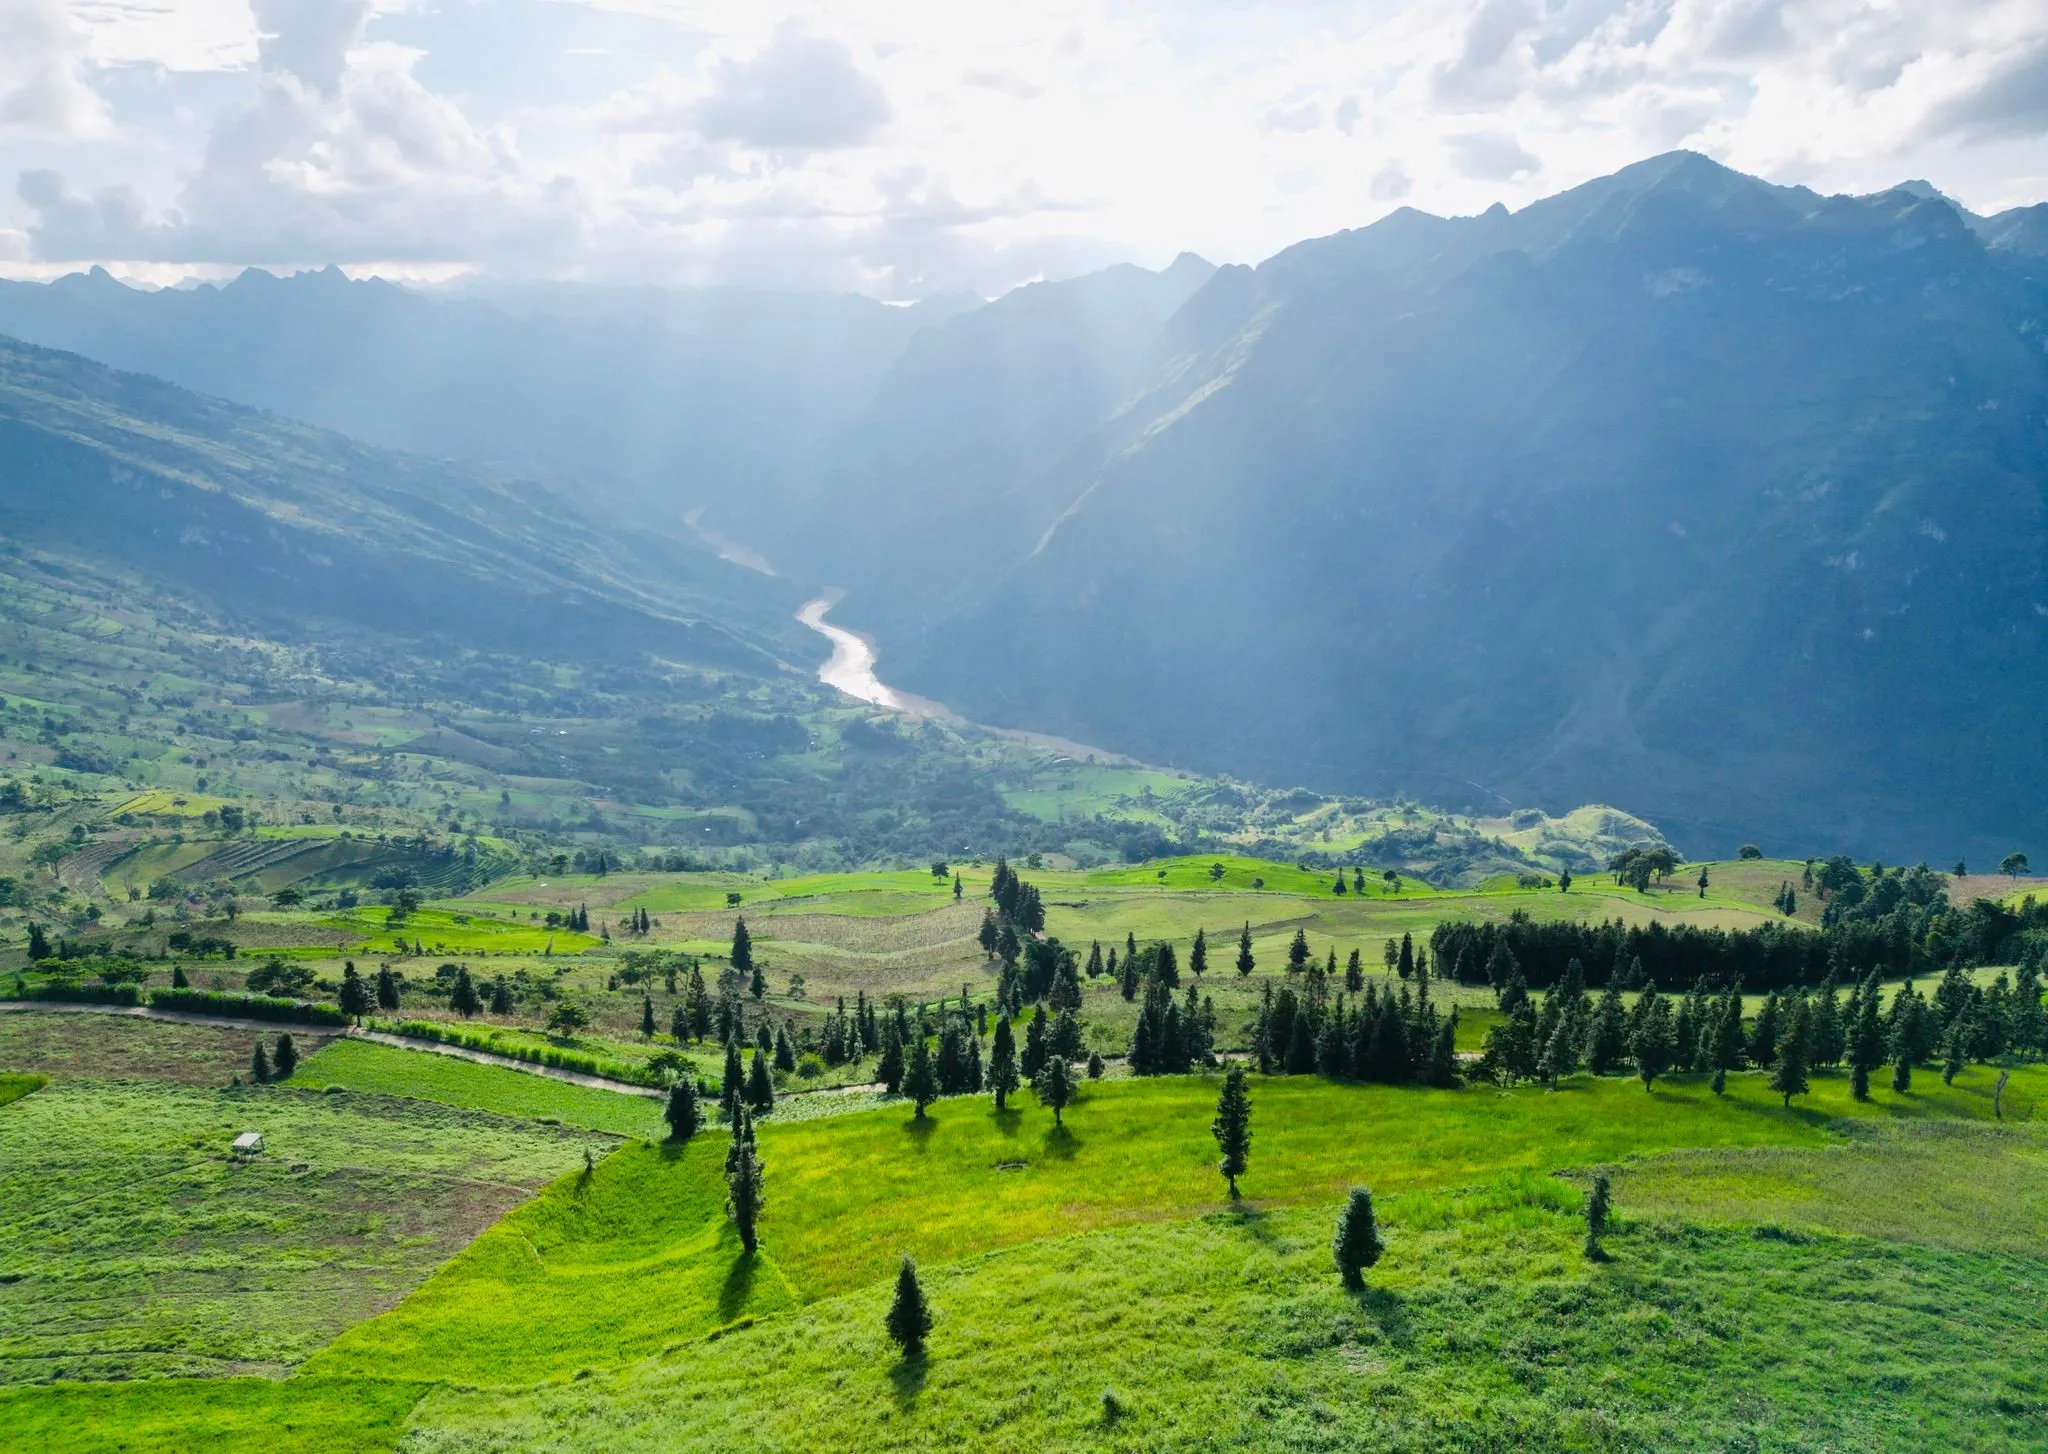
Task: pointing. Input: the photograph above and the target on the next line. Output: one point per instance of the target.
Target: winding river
(851, 668)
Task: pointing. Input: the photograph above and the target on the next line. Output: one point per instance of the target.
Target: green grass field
(381, 1070)
(134, 1244)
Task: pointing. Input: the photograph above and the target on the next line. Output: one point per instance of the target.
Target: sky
(902, 148)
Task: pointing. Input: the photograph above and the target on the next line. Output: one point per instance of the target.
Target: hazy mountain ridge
(294, 525)
(650, 402)
(1706, 495)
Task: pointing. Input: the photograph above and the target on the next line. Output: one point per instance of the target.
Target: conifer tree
(684, 1116)
(1650, 1037)
(1095, 1065)
(785, 1050)
(355, 995)
(180, 982)
(1607, 1036)
(1357, 1244)
(1301, 1045)
(1245, 962)
(889, 1069)
(1788, 1075)
(743, 1180)
(1599, 1205)
(502, 1002)
(679, 1023)
(1902, 1072)
(1354, 973)
(742, 956)
(760, 1086)
(1035, 1049)
(910, 1316)
(1955, 1052)
(1297, 952)
(732, 1090)
(1002, 1077)
(646, 1017)
(1443, 1055)
(387, 988)
(987, 937)
(1404, 964)
(259, 1065)
(920, 1078)
(1720, 1080)
(287, 1058)
(1232, 1127)
(463, 999)
(1054, 1084)
(1094, 970)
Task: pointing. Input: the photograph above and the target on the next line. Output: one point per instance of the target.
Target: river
(851, 668)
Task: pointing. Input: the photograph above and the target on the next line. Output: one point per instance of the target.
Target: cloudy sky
(902, 147)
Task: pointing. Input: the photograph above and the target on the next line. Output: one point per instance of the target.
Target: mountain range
(1719, 499)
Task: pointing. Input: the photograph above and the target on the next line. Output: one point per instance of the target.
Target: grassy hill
(1857, 1272)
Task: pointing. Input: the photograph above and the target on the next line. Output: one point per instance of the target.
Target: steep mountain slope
(959, 453)
(292, 526)
(655, 402)
(1720, 499)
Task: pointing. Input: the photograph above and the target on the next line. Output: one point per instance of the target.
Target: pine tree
(1002, 1076)
(1055, 1086)
(1301, 1045)
(463, 999)
(1443, 1055)
(1955, 1052)
(502, 1002)
(1095, 1065)
(1035, 1049)
(1354, 973)
(1902, 1073)
(910, 1316)
(1607, 1036)
(1232, 1127)
(742, 956)
(287, 1058)
(356, 998)
(1650, 1037)
(1357, 1244)
(1094, 970)
(1788, 1075)
(259, 1065)
(732, 1091)
(1404, 964)
(889, 1069)
(1244, 951)
(987, 937)
(785, 1050)
(1297, 952)
(743, 1178)
(920, 1079)
(1198, 957)
(760, 1086)
(387, 988)
(1720, 1080)
(682, 1112)
(646, 1017)
(1599, 1205)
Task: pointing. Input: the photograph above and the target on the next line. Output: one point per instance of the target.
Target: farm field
(1103, 1258)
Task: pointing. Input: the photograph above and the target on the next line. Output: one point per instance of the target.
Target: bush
(247, 1007)
(88, 994)
(529, 1054)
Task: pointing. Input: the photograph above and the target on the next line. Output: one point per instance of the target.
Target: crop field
(358, 1065)
(453, 931)
(84, 1046)
(135, 1244)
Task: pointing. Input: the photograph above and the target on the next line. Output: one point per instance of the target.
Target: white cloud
(801, 92)
(43, 90)
(908, 145)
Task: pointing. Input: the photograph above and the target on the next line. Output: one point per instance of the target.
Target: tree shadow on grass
(1008, 1119)
(739, 1286)
(908, 1377)
(1061, 1142)
(1388, 1312)
(919, 1130)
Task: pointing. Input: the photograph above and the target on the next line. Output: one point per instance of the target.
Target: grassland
(133, 1243)
(85, 1046)
(381, 1070)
